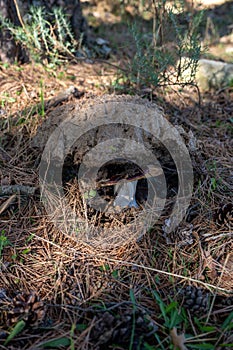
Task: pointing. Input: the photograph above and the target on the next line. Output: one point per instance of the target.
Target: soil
(61, 293)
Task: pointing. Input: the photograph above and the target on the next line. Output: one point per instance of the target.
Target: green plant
(48, 37)
(7, 99)
(4, 241)
(132, 297)
(5, 65)
(162, 58)
(72, 343)
(172, 316)
(173, 319)
(68, 341)
(56, 343)
(15, 331)
(42, 103)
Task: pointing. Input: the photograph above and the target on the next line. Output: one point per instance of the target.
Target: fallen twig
(11, 189)
(4, 156)
(63, 97)
(7, 203)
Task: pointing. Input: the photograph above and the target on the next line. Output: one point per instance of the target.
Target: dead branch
(21, 189)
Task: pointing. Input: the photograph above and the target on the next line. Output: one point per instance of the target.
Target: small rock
(211, 74)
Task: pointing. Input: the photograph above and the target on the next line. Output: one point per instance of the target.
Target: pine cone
(182, 236)
(194, 299)
(224, 215)
(223, 301)
(27, 307)
(111, 329)
(4, 306)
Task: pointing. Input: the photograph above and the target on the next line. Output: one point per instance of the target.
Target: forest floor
(155, 293)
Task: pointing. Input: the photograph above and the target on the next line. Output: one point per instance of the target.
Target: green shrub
(169, 49)
(47, 40)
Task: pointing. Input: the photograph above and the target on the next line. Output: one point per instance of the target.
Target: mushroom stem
(125, 191)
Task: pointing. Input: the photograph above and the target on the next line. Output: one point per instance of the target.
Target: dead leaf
(205, 261)
(225, 280)
(210, 264)
(178, 340)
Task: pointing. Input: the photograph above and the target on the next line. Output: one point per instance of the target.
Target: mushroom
(125, 186)
(126, 192)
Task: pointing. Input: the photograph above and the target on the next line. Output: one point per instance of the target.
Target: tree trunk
(10, 51)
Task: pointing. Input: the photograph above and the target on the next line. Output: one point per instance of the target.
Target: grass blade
(15, 331)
